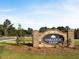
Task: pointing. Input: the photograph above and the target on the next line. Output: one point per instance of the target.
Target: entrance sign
(53, 39)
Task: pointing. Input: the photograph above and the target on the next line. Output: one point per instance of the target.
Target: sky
(40, 13)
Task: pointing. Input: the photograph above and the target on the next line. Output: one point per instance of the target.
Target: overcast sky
(40, 13)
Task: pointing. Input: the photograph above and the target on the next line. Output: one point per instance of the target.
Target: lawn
(26, 40)
(8, 54)
(76, 41)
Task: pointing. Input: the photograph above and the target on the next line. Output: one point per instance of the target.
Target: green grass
(26, 40)
(7, 54)
(76, 41)
(14, 55)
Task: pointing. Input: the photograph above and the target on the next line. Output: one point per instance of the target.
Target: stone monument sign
(53, 37)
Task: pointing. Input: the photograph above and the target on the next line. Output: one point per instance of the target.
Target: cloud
(62, 15)
(56, 14)
(6, 10)
(59, 14)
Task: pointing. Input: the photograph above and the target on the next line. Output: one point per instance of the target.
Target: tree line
(62, 28)
(7, 29)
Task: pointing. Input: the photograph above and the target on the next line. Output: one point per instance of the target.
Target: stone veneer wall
(37, 37)
(71, 38)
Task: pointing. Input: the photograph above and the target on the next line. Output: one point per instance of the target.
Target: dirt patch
(47, 51)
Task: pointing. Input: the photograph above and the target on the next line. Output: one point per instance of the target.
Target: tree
(76, 33)
(42, 29)
(18, 40)
(61, 28)
(67, 28)
(29, 31)
(12, 31)
(1, 30)
(19, 35)
(53, 28)
(6, 25)
(20, 30)
(19, 26)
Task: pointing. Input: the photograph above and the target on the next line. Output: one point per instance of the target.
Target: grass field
(76, 41)
(8, 54)
(26, 40)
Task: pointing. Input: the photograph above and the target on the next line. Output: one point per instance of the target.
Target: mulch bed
(47, 51)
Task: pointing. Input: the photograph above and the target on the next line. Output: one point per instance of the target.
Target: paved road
(3, 39)
(7, 38)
